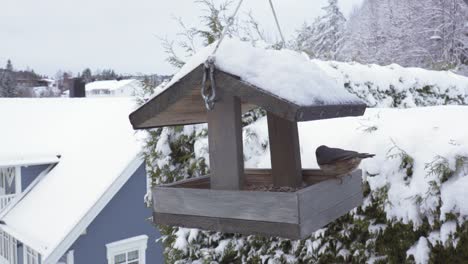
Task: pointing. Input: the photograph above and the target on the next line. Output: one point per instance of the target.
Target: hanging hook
(209, 66)
(208, 72)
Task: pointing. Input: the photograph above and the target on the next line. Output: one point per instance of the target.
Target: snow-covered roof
(98, 150)
(284, 73)
(109, 85)
(282, 82)
(22, 160)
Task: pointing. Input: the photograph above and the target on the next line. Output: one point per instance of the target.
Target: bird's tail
(365, 155)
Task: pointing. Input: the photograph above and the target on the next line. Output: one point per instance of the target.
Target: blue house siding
(30, 173)
(123, 217)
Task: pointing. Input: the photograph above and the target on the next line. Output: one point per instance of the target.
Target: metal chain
(277, 23)
(209, 66)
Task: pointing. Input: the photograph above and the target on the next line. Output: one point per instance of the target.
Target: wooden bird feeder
(221, 201)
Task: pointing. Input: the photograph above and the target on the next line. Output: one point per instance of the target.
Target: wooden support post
(225, 144)
(285, 153)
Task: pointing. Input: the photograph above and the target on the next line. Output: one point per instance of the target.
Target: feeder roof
(284, 82)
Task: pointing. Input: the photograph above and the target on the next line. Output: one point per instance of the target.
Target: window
(128, 251)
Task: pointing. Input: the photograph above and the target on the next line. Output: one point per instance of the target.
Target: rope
(229, 24)
(209, 66)
(277, 23)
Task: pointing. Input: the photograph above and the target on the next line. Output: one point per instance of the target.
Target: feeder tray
(293, 215)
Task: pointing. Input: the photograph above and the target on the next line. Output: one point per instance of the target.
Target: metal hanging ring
(208, 72)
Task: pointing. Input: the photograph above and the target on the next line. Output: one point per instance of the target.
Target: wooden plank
(317, 112)
(323, 202)
(305, 172)
(149, 114)
(247, 205)
(202, 182)
(285, 153)
(250, 94)
(225, 143)
(189, 109)
(227, 225)
(253, 177)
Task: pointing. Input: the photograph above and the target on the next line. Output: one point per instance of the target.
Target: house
(72, 184)
(130, 87)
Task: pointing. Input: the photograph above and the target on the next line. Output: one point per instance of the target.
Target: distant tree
(107, 74)
(8, 86)
(63, 80)
(213, 21)
(323, 38)
(364, 37)
(9, 65)
(87, 75)
(428, 34)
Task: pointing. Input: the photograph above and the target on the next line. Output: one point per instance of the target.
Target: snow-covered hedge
(396, 86)
(415, 209)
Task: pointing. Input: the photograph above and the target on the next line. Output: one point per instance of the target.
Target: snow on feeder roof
(290, 88)
(283, 82)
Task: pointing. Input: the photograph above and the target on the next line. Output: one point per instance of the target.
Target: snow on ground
(284, 73)
(28, 160)
(96, 142)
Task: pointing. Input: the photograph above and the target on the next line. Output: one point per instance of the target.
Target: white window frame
(71, 257)
(18, 180)
(127, 245)
(17, 177)
(30, 256)
(68, 258)
(8, 249)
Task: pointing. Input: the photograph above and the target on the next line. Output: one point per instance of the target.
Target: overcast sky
(49, 35)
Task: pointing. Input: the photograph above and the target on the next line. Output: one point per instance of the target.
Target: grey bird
(339, 162)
